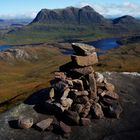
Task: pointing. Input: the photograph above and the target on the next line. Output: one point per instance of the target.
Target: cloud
(30, 14)
(126, 8)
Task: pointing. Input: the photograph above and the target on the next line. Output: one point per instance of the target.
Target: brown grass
(18, 77)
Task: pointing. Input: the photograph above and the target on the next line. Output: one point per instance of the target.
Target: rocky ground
(80, 104)
(127, 127)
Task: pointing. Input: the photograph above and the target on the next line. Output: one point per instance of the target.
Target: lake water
(103, 44)
(4, 47)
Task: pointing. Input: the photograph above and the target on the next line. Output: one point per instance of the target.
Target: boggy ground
(127, 127)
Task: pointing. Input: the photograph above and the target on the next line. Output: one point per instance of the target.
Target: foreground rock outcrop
(127, 127)
(80, 104)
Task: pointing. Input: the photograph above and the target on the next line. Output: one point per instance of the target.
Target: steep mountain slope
(70, 15)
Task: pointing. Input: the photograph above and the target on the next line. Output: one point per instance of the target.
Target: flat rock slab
(85, 60)
(127, 127)
(83, 49)
(44, 124)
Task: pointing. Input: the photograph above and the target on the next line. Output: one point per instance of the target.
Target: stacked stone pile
(79, 94)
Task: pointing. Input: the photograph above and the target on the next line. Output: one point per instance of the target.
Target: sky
(29, 8)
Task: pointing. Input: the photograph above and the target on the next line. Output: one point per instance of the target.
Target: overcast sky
(29, 8)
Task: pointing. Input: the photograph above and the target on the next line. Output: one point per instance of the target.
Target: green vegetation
(38, 33)
(124, 58)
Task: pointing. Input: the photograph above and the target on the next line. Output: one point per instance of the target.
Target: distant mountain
(70, 15)
(87, 16)
(72, 24)
(126, 24)
(126, 20)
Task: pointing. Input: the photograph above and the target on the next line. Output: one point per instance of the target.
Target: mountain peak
(70, 15)
(87, 7)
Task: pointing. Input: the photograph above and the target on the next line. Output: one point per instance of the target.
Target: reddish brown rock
(65, 128)
(85, 121)
(96, 111)
(84, 70)
(92, 86)
(72, 117)
(86, 110)
(82, 93)
(110, 87)
(85, 60)
(83, 49)
(44, 124)
(113, 95)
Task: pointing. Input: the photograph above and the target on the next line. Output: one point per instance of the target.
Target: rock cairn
(78, 94)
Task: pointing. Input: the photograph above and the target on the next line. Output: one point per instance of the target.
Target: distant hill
(126, 24)
(129, 40)
(126, 20)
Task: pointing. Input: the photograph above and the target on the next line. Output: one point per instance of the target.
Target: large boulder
(83, 49)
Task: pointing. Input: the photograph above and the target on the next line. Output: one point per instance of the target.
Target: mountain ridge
(70, 15)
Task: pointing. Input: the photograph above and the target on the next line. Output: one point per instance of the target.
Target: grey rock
(99, 77)
(115, 110)
(60, 75)
(25, 122)
(83, 49)
(92, 86)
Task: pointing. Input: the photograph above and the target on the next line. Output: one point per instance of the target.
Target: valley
(29, 65)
